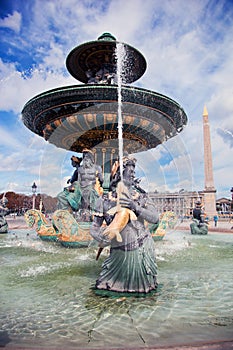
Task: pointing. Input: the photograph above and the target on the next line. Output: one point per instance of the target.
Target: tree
(20, 203)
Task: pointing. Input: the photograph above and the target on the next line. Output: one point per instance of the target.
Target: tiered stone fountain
(86, 116)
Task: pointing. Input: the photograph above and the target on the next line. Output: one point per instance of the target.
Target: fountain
(48, 298)
(105, 120)
(100, 113)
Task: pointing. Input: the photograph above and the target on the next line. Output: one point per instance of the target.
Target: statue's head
(129, 161)
(198, 204)
(87, 153)
(129, 164)
(126, 162)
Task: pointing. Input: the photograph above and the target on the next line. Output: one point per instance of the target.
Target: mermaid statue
(3, 211)
(84, 190)
(72, 220)
(199, 226)
(120, 221)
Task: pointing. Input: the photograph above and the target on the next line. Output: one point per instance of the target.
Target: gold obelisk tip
(205, 112)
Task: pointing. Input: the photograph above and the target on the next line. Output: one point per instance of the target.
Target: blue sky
(188, 47)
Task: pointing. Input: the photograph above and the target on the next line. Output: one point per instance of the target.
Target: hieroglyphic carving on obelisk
(209, 191)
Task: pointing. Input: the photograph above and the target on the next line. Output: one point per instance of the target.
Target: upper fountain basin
(79, 116)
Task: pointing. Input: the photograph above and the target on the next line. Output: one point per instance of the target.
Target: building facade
(181, 203)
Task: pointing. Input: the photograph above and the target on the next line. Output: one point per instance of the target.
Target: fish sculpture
(122, 215)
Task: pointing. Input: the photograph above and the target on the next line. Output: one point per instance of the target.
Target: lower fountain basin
(48, 301)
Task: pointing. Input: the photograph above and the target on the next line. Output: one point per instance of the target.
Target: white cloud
(18, 88)
(12, 21)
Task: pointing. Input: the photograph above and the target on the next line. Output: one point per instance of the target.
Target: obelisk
(209, 191)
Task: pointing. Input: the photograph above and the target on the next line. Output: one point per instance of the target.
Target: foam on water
(37, 270)
(172, 243)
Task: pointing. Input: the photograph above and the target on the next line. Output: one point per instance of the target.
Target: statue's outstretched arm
(100, 175)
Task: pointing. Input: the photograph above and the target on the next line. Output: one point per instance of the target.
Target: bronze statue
(83, 192)
(199, 226)
(3, 211)
(75, 161)
(120, 220)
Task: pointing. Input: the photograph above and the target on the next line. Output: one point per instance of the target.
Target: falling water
(120, 55)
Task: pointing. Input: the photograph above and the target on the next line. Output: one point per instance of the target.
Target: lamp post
(34, 187)
(41, 204)
(231, 199)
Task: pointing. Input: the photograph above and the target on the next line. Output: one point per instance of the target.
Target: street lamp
(231, 198)
(34, 187)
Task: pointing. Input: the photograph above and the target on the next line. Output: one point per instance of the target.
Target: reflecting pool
(47, 298)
